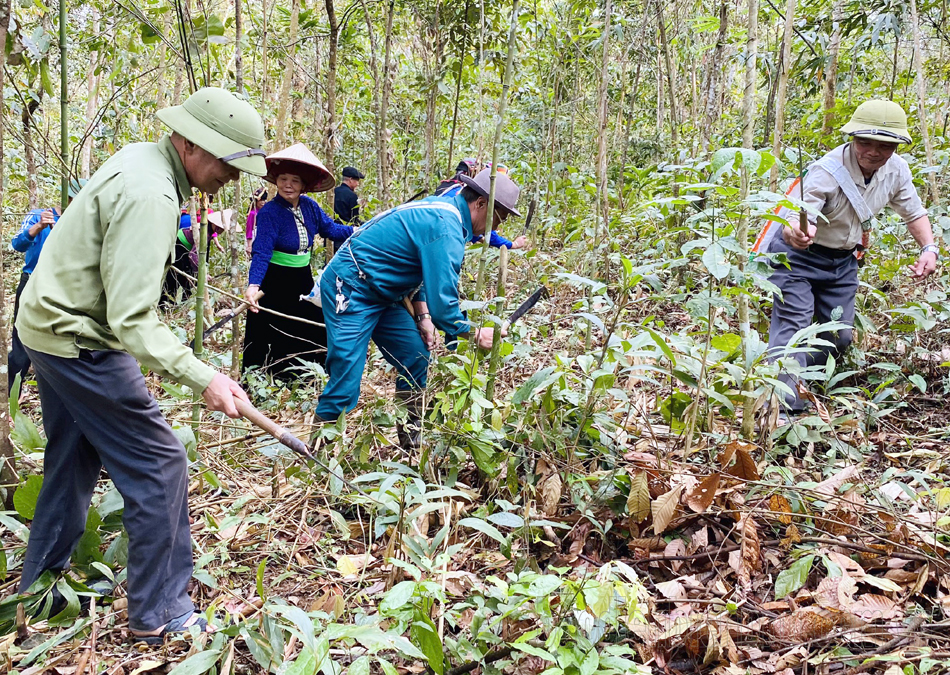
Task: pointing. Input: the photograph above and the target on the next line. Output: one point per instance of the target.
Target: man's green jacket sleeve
(133, 267)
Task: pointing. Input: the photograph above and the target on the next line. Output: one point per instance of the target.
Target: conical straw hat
(222, 219)
(298, 160)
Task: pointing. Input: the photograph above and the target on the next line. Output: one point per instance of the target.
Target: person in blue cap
(346, 204)
(414, 252)
(29, 241)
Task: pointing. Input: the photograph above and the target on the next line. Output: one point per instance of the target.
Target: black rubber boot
(410, 433)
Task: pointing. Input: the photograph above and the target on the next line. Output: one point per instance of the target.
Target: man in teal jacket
(415, 251)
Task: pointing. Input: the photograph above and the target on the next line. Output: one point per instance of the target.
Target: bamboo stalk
(499, 311)
(63, 107)
(742, 231)
(499, 128)
(201, 241)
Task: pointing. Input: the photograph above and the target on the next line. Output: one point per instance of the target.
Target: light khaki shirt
(892, 185)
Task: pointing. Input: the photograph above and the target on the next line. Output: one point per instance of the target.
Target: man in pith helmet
(88, 314)
(849, 186)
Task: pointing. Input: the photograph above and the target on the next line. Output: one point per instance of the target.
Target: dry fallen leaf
(749, 555)
(664, 508)
(549, 487)
(782, 507)
(831, 485)
(638, 501)
(744, 468)
(700, 497)
(800, 626)
(837, 593)
(873, 607)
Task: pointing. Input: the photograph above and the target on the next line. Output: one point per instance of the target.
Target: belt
(290, 259)
(184, 240)
(831, 252)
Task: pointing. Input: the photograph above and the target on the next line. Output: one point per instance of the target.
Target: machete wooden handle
(238, 311)
(259, 419)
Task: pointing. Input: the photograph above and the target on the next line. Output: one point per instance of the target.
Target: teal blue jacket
(412, 250)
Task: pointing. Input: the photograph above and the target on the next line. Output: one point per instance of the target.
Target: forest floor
(826, 555)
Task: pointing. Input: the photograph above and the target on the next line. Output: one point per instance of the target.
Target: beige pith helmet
(224, 125)
(506, 190)
(879, 120)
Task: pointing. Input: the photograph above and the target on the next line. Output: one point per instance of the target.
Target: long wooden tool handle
(261, 420)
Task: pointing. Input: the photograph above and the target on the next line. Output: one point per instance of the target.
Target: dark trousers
(98, 412)
(820, 286)
(18, 362)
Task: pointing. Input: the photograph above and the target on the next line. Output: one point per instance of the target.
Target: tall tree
(602, 189)
(330, 132)
(670, 74)
(831, 69)
(921, 78)
(8, 473)
(712, 90)
(782, 89)
(283, 103)
(742, 231)
(383, 133)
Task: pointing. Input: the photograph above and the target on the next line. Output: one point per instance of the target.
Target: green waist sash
(290, 259)
(184, 240)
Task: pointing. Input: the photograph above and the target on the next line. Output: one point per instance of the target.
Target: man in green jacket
(88, 313)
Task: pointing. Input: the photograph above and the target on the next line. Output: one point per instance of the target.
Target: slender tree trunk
(329, 137)
(622, 179)
(236, 232)
(63, 108)
(461, 50)
(490, 214)
(921, 78)
(238, 48)
(432, 97)
(376, 106)
(602, 188)
(742, 231)
(29, 151)
(831, 70)
(385, 180)
(161, 93)
(283, 103)
(783, 67)
(481, 72)
(264, 51)
(670, 75)
(8, 474)
(712, 96)
(92, 103)
(660, 96)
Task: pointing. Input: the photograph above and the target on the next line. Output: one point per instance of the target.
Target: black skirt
(277, 345)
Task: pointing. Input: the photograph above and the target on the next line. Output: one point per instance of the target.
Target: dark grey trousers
(98, 412)
(820, 286)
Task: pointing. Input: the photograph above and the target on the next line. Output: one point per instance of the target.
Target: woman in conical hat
(286, 228)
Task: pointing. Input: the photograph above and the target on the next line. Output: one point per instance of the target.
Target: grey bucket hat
(224, 125)
(506, 190)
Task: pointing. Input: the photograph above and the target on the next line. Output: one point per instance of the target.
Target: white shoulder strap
(843, 177)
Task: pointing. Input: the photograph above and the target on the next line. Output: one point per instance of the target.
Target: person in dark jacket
(345, 201)
(467, 167)
(280, 267)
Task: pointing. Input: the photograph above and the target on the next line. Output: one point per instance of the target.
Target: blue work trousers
(348, 334)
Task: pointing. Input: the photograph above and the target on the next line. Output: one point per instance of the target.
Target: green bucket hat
(879, 120)
(219, 122)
